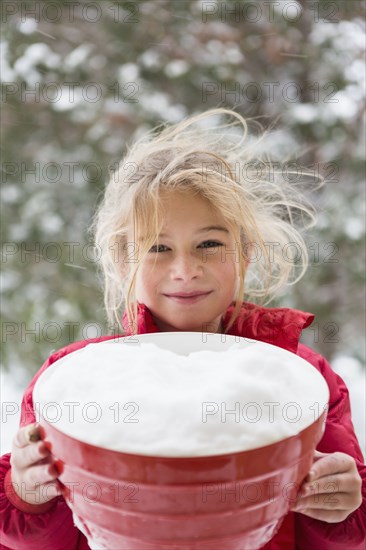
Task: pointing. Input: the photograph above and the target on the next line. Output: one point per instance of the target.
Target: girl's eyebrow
(205, 229)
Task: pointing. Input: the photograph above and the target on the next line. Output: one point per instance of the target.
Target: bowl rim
(243, 340)
(198, 458)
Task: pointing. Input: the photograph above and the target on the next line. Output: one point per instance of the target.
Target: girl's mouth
(188, 299)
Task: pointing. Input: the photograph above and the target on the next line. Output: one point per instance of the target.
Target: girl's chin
(189, 329)
(205, 326)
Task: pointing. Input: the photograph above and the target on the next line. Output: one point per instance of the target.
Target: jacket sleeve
(20, 530)
(27, 527)
(339, 435)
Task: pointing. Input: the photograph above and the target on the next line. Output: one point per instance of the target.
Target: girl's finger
(30, 455)
(326, 501)
(27, 435)
(39, 475)
(339, 501)
(318, 454)
(344, 483)
(333, 463)
(38, 493)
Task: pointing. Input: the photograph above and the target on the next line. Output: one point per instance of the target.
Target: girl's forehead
(194, 201)
(173, 195)
(189, 209)
(178, 209)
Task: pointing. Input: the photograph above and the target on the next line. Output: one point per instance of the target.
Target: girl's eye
(156, 246)
(211, 244)
(207, 244)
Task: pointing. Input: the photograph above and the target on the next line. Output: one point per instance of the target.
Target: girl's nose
(186, 267)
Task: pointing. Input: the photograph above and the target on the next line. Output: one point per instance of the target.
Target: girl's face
(190, 258)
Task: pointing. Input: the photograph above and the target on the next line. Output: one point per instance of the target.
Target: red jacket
(51, 527)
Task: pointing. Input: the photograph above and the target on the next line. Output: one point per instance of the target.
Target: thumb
(318, 455)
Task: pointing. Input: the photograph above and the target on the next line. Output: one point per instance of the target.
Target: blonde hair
(220, 163)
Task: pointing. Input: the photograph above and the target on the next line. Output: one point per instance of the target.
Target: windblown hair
(219, 163)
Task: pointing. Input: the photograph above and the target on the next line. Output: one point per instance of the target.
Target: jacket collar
(278, 326)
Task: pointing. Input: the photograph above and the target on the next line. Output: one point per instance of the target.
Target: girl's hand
(332, 489)
(33, 472)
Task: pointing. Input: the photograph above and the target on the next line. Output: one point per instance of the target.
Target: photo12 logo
(290, 11)
(71, 12)
(70, 93)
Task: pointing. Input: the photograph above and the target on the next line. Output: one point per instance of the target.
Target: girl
(188, 223)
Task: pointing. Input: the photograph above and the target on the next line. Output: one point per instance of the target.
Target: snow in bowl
(181, 440)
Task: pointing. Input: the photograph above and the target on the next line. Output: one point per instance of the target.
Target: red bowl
(136, 502)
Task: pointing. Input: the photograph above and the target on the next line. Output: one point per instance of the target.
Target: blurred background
(82, 79)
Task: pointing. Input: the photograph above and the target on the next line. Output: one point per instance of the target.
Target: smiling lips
(188, 297)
